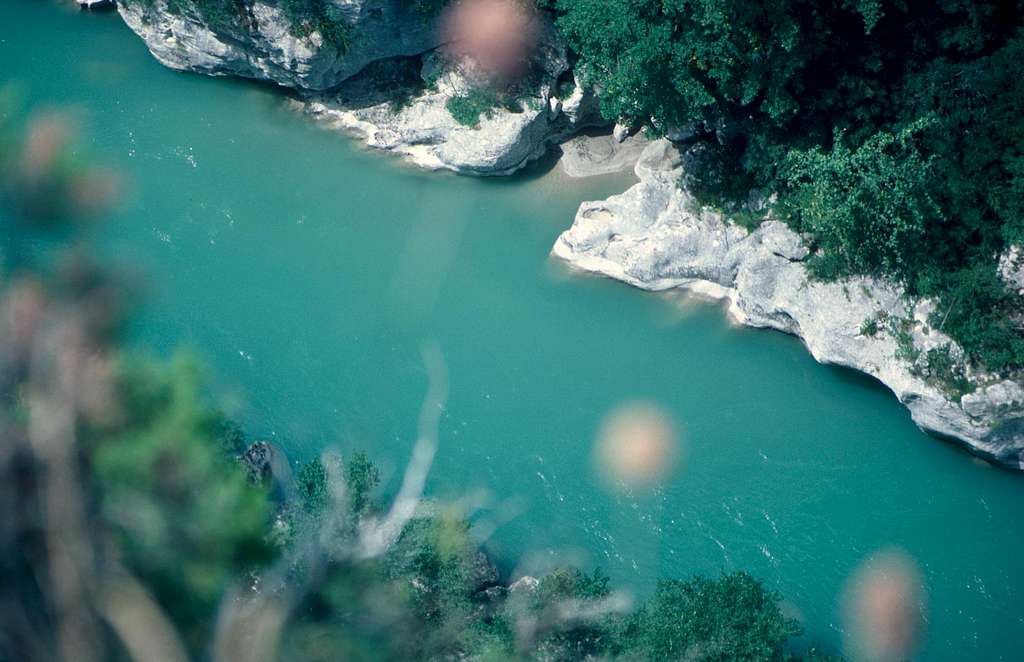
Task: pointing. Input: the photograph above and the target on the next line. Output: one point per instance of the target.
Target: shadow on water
(102, 9)
(854, 379)
(532, 171)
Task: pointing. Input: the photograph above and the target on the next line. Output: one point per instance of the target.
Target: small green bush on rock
(321, 16)
(467, 109)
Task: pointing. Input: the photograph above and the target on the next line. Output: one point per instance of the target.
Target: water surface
(308, 274)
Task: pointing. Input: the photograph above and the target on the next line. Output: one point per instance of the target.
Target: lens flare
(497, 35)
(49, 182)
(637, 446)
(884, 608)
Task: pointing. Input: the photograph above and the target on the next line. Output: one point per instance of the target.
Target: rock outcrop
(527, 584)
(266, 464)
(654, 237)
(263, 45)
(589, 156)
(343, 88)
(1011, 268)
(419, 125)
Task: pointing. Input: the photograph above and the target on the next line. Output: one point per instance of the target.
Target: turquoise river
(307, 274)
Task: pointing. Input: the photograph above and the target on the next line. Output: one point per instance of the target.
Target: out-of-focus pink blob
(883, 608)
(21, 313)
(637, 445)
(498, 35)
(49, 181)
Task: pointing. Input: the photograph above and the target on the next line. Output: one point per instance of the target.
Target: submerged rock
(266, 464)
(257, 461)
(655, 237)
(261, 43)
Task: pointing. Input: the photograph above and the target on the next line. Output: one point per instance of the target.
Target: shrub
(946, 372)
(869, 327)
(219, 15)
(982, 315)
(467, 109)
(321, 16)
(868, 207)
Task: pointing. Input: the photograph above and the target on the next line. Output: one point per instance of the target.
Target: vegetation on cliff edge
(890, 130)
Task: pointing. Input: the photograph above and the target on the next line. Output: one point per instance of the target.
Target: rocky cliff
(262, 43)
(654, 237)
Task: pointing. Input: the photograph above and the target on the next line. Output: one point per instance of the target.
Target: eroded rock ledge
(654, 237)
(413, 119)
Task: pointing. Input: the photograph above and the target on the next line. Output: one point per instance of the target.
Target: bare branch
(377, 536)
(139, 622)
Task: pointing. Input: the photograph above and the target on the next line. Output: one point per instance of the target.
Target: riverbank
(655, 237)
(863, 324)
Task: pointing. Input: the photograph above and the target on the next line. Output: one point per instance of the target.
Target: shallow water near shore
(308, 273)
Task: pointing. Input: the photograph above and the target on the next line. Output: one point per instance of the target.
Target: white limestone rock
(420, 128)
(679, 134)
(582, 107)
(620, 132)
(525, 585)
(1011, 268)
(267, 50)
(588, 156)
(655, 237)
(554, 107)
(424, 131)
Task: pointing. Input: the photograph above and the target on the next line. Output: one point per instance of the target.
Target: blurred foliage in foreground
(138, 524)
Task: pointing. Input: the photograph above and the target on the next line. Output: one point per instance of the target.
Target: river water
(308, 274)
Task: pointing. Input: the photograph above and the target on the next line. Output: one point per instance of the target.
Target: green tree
(727, 619)
(311, 485)
(187, 521)
(574, 624)
(321, 16)
(362, 478)
(869, 207)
